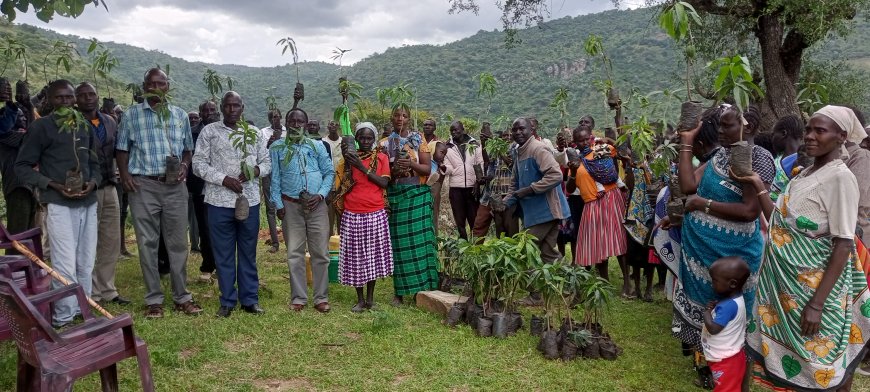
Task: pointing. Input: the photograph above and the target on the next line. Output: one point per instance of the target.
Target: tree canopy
(46, 9)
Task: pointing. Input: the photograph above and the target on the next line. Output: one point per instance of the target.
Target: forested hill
(529, 74)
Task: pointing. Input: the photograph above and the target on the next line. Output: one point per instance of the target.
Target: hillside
(549, 57)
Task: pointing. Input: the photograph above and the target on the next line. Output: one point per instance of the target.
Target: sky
(246, 32)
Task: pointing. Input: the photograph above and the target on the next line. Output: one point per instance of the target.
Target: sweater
(535, 167)
(52, 151)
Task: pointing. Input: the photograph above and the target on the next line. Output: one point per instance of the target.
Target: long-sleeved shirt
(535, 167)
(55, 153)
(502, 175)
(216, 158)
(309, 169)
(460, 165)
(142, 134)
(106, 148)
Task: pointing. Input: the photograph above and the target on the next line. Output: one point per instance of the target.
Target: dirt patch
(353, 336)
(188, 353)
(400, 378)
(293, 384)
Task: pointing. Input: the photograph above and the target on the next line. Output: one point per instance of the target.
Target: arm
(510, 200)
(747, 211)
(264, 159)
(122, 153)
(94, 162)
(761, 191)
(275, 185)
(28, 157)
(689, 177)
(722, 315)
(202, 162)
(324, 164)
(811, 316)
(552, 174)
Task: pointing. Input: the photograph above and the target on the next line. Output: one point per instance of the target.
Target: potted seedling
(734, 78)
(595, 48)
(341, 116)
(677, 20)
(497, 148)
(13, 50)
(288, 43)
(244, 138)
(71, 121)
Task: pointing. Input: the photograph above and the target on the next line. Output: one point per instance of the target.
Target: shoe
(205, 277)
(322, 307)
(189, 308)
(119, 300)
(297, 307)
(154, 311)
(255, 309)
(864, 371)
(273, 249)
(224, 311)
(358, 308)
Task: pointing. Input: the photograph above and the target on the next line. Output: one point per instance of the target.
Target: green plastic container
(333, 268)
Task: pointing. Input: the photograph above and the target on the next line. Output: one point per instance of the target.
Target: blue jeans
(231, 239)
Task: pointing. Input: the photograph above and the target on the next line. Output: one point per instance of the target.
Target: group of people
(773, 262)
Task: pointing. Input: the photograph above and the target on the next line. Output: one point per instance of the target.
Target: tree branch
(751, 9)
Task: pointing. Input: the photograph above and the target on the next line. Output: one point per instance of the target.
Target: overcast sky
(245, 32)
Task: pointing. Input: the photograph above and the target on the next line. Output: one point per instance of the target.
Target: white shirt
(216, 158)
(731, 313)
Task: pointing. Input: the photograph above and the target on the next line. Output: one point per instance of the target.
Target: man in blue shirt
(302, 178)
(149, 147)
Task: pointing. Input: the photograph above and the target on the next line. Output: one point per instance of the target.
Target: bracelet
(686, 145)
(813, 307)
(707, 206)
(762, 192)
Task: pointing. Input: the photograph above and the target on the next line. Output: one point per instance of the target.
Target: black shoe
(119, 300)
(224, 311)
(255, 309)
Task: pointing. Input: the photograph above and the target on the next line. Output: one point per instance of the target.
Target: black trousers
(464, 205)
(205, 248)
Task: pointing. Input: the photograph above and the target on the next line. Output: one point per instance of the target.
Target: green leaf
(865, 308)
(791, 366)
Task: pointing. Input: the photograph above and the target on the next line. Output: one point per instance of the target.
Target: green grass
(390, 349)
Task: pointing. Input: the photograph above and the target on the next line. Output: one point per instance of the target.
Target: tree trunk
(781, 61)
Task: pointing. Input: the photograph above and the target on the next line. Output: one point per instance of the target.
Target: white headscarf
(846, 120)
(368, 125)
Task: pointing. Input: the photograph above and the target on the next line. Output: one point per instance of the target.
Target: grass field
(389, 349)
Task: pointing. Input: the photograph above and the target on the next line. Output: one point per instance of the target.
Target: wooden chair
(31, 280)
(51, 361)
(31, 238)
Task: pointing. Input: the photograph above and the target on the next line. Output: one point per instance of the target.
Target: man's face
(155, 81)
(428, 127)
(313, 128)
(295, 120)
(193, 118)
(332, 127)
(62, 97)
(232, 108)
(521, 131)
(586, 122)
(275, 120)
(208, 113)
(86, 98)
(457, 130)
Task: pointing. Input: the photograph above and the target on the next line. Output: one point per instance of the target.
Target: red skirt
(601, 234)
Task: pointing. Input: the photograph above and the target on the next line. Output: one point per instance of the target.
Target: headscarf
(846, 120)
(368, 125)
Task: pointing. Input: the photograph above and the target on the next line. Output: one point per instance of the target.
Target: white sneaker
(205, 277)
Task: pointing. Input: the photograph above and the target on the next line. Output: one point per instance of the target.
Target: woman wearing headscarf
(415, 266)
(811, 326)
(721, 220)
(365, 252)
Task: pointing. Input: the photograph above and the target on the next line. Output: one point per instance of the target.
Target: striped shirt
(142, 134)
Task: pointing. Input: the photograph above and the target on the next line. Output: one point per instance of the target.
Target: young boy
(724, 331)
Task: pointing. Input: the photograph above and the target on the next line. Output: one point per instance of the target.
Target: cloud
(233, 32)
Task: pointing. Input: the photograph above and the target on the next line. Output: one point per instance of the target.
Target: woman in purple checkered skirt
(365, 253)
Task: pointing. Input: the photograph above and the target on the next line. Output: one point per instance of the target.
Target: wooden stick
(26, 252)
